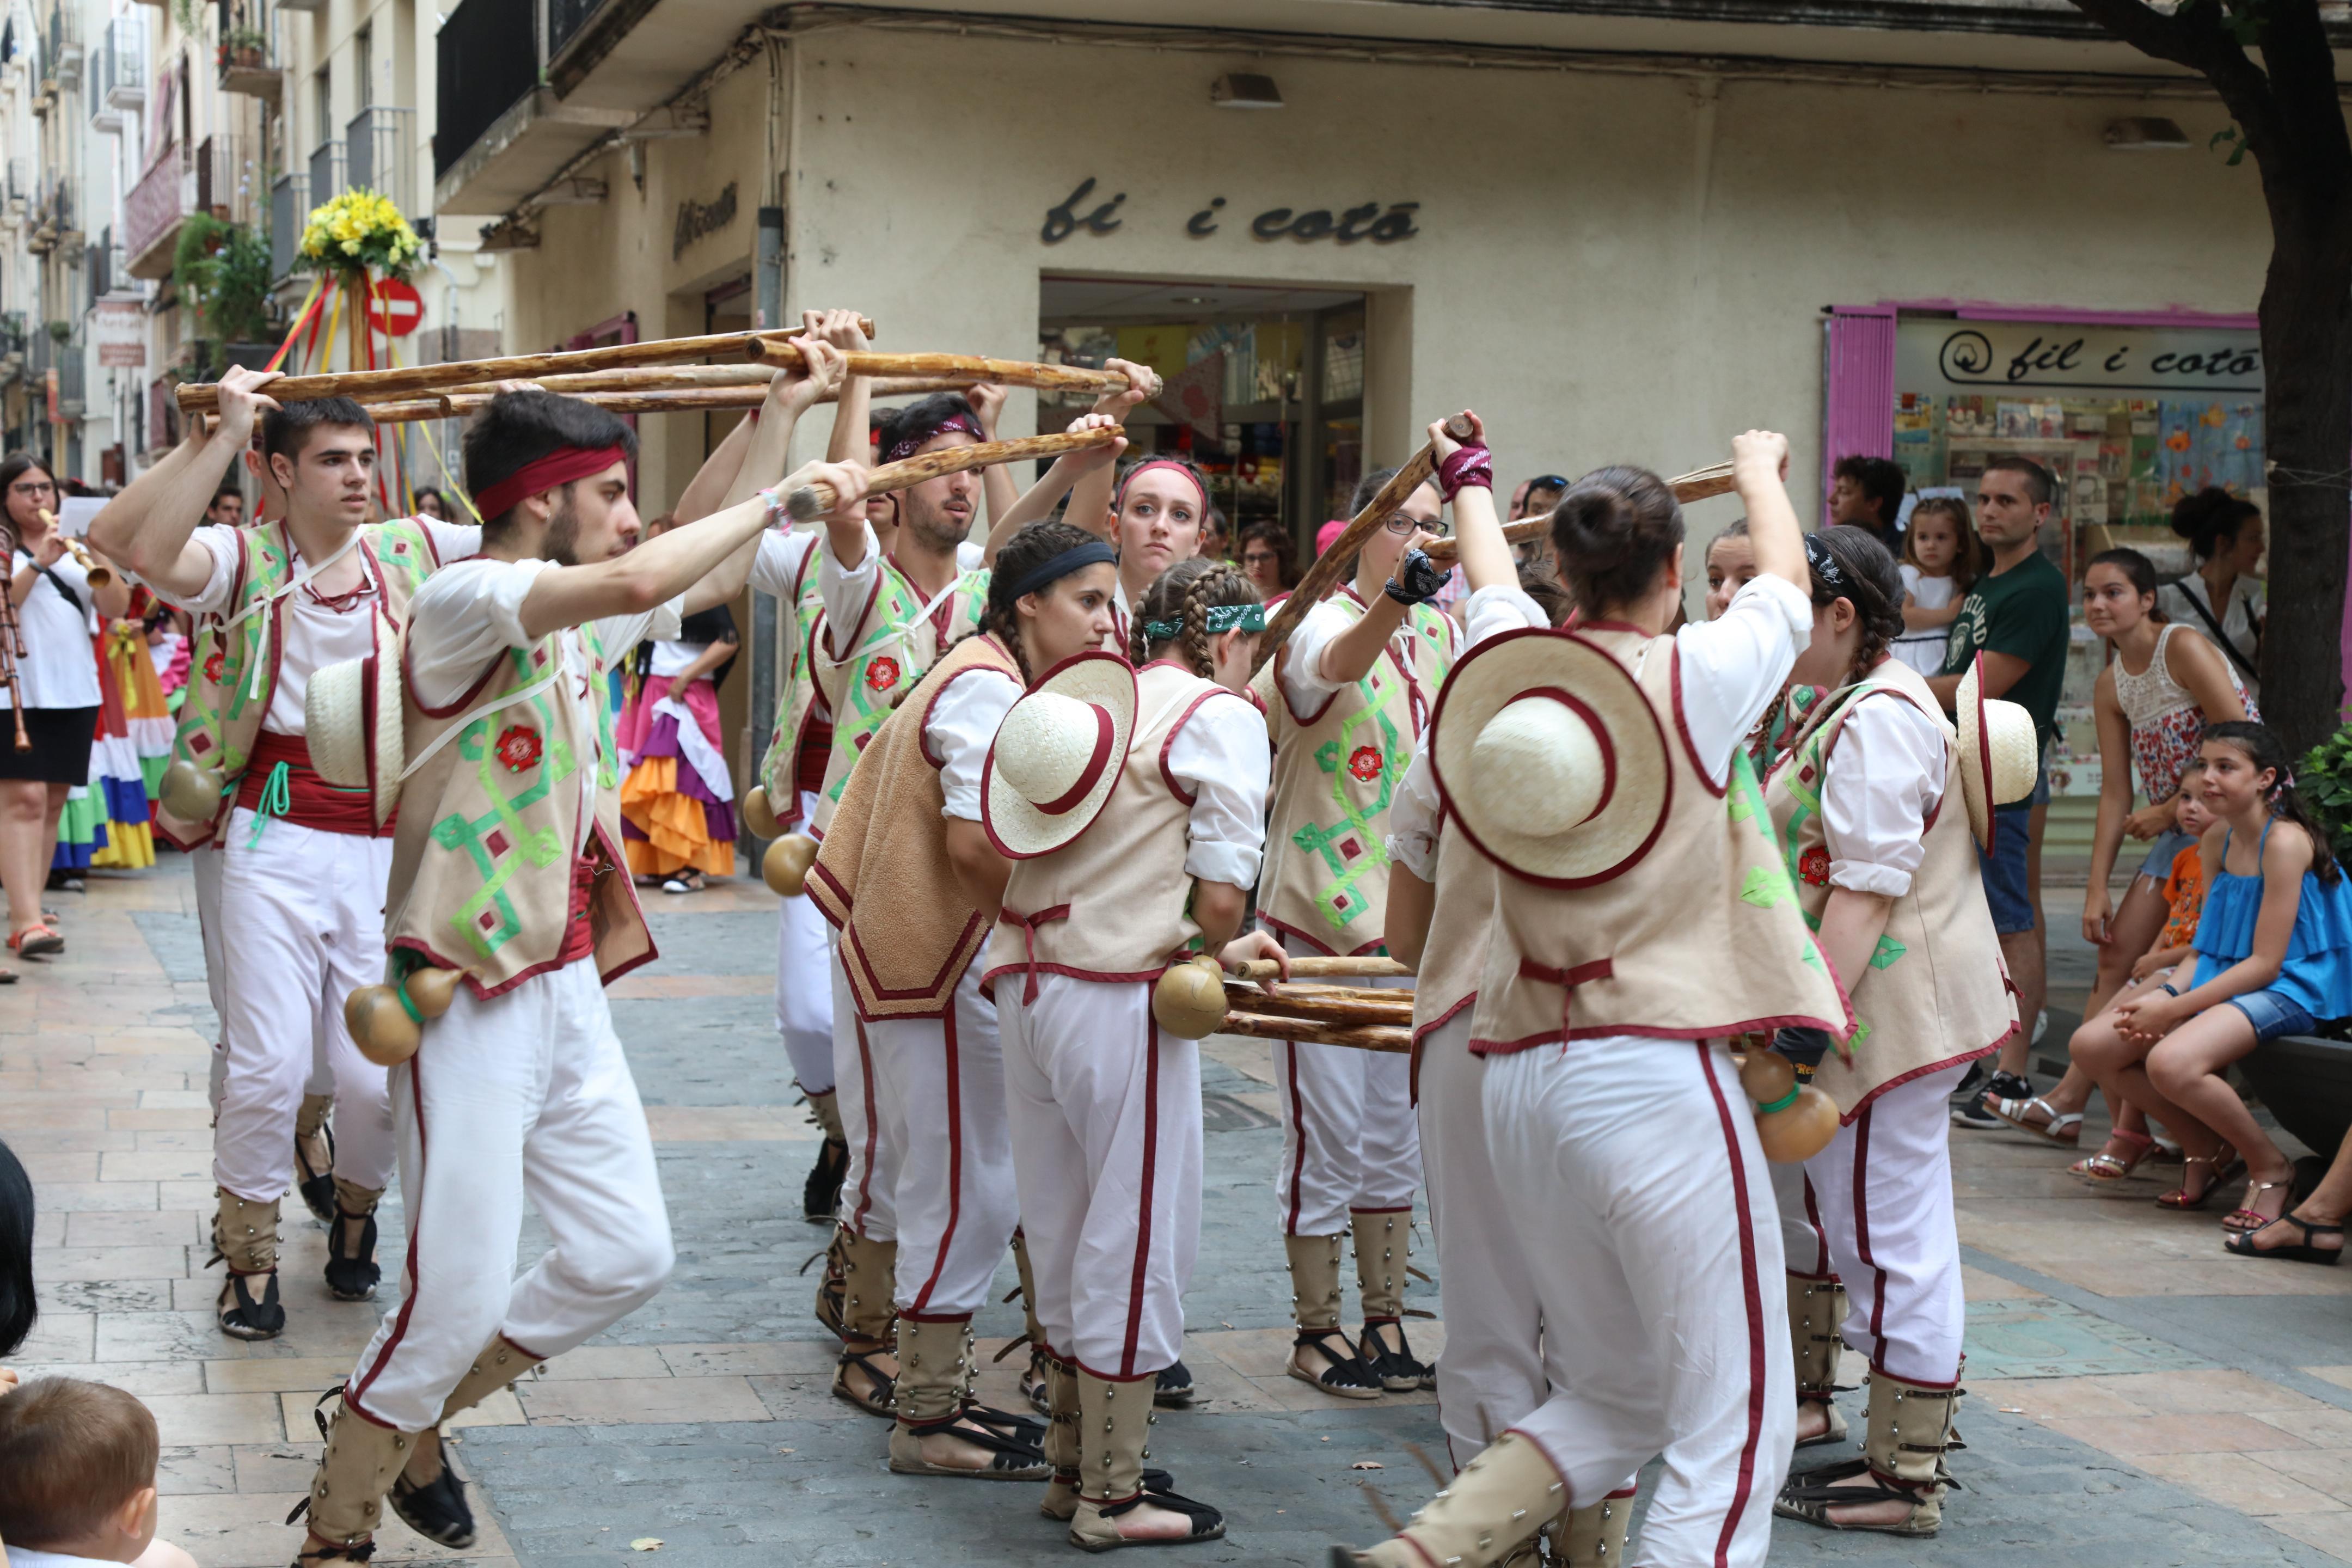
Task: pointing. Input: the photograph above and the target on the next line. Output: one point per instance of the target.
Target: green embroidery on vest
(500, 842)
(881, 663)
(1887, 952)
(1766, 887)
(1853, 1041)
(778, 765)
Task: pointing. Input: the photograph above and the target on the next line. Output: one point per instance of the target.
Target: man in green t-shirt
(2015, 617)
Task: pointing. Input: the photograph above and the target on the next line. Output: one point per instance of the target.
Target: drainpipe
(768, 305)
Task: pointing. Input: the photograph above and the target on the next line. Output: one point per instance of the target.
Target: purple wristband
(1466, 465)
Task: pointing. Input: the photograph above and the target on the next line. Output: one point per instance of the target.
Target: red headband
(559, 466)
(1147, 466)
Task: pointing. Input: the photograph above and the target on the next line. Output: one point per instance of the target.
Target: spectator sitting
(1867, 492)
(2294, 1237)
(77, 1474)
(2015, 615)
(1941, 561)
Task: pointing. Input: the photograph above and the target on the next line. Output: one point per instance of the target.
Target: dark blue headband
(1076, 558)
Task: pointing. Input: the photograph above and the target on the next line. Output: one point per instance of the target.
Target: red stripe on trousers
(866, 1179)
(1298, 1123)
(955, 1157)
(1861, 1226)
(415, 1226)
(1754, 1292)
(1143, 1221)
(1821, 1237)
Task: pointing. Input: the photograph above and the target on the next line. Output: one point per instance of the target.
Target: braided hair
(1023, 554)
(1867, 579)
(1186, 592)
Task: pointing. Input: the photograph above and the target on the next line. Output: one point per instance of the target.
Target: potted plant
(245, 47)
(222, 269)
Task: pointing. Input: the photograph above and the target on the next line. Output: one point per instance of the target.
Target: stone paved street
(2137, 1396)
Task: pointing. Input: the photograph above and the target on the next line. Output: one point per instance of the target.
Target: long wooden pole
(1698, 485)
(1363, 1037)
(1324, 574)
(202, 397)
(1009, 372)
(812, 501)
(461, 402)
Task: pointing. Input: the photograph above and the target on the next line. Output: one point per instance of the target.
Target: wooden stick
(691, 399)
(1319, 1016)
(407, 411)
(1266, 969)
(1698, 485)
(1366, 1037)
(1008, 372)
(1324, 574)
(202, 397)
(812, 501)
(679, 377)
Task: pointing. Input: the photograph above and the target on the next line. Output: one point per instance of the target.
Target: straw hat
(1056, 755)
(351, 712)
(2001, 756)
(1551, 759)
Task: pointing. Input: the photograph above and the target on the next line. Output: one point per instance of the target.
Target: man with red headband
(507, 868)
(301, 866)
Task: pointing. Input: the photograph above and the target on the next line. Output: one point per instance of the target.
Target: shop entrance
(1265, 385)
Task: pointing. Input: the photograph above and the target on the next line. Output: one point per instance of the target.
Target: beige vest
(906, 954)
(1462, 913)
(1701, 937)
(1334, 772)
(491, 826)
(1116, 902)
(1936, 993)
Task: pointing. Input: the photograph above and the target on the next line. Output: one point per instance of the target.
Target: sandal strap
(978, 1436)
(1345, 1372)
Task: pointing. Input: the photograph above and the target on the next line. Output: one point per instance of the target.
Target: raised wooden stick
(407, 411)
(689, 399)
(1304, 968)
(812, 501)
(1009, 372)
(680, 377)
(1698, 485)
(1364, 1038)
(202, 397)
(1324, 574)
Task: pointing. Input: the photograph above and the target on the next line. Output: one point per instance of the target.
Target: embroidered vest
(1935, 993)
(801, 703)
(233, 671)
(893, 643)
(905, 957)
(1701, 937)
(492, 824)
(1335, 770)
(1116, 903)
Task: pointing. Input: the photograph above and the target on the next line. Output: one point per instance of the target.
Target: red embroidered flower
(1364, 762)
(1813, 865)
(518, 748)
(882, 673)
(213, 662)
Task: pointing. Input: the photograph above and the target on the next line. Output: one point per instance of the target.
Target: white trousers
(301, 927)
(525, 1095)
(1803, 1246)
(1630, 1169)
(805, 985)
(869, 1192)
(1106, 1118)
(1884, 1191)
(939, 1096)
(1349, 1143)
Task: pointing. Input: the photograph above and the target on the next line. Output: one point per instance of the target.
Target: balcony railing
(487, 57)
(378, 155)
(248, 52)
(61, 48)
(152, 213)
(565, 20)
(69, 359)
(122, 65)
(327, 180)
(290, 206)
(225, 179)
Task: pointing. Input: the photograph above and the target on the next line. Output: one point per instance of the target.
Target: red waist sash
(312, 802)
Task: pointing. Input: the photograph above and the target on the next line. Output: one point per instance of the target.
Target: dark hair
(1549, 597)
(287, 426)
(1968, 564)
(70, 1454)
(1613, 532)
(416, 498)
(1880, 479)
(1278, 538)
(2131, 564)
(2040, 487)
(231, 487)
(516, 430)
(1186, 592)
(2263, 748)
(15, 467)
(17, 1308)
(1023, 553)
(2211, 519)
(1370, 486)
(923, 417)
(1872, 585)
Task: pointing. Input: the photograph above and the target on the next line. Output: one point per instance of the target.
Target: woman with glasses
(56, 613)
(1346, 700)
(1267, 553)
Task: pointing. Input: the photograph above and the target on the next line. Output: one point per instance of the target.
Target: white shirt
(1885, 779)
(1923, 650)
(2177, 600)
(776, 568)
(317, 633)
(25, 1557)
(1224, 760)
(1413, 812)
(847, 590)
(958, 730)
(465, 616)
(59, 668)
(1303, 681)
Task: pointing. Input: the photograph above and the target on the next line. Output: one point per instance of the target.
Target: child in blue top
(2273, 956)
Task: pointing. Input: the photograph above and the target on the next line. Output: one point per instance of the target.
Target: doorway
(1265, 385)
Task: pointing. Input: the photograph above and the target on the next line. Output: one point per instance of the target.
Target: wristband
(1473, 466)
(1417, 579)
(2168, 990)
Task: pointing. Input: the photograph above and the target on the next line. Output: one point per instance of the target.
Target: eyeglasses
(1401, 524)
(33, 488)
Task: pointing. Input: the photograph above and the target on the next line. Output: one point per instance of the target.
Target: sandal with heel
(2243, 1243)
(2245, 1217)
(2224, 1165)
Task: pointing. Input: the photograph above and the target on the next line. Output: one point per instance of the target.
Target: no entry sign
(394, 308)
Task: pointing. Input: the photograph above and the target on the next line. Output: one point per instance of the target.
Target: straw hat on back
(350, 711)
(2001, 756)
(1058, 755)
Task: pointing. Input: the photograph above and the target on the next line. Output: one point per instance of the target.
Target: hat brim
(387, 729)
(1022, 830)
(1640, 787)
(1975, 752)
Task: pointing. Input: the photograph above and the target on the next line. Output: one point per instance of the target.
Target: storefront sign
(120, 330)
(695, 219)
(1370, 220)
(2026, 357)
